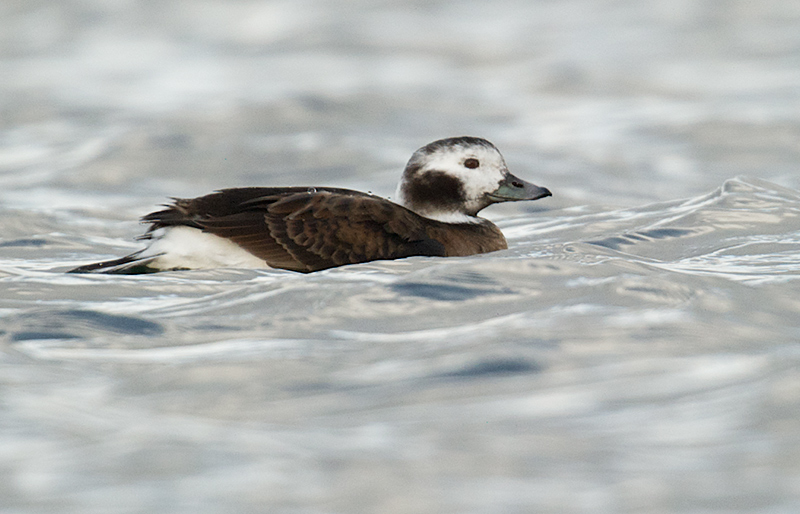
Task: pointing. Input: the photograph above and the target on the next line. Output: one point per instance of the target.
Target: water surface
(634, 350)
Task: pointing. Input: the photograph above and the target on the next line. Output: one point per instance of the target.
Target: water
(635, 349)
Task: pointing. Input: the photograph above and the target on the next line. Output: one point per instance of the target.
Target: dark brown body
(310, 229)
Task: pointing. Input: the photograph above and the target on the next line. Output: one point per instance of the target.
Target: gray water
(635, 349)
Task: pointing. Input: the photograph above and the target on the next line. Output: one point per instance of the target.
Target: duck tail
(133, 264)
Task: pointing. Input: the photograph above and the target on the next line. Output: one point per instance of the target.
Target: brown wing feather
(306, 231)
(325, 229)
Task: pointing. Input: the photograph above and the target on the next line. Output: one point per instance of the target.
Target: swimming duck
(444, 186)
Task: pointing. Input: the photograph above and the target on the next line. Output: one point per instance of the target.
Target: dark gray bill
(513, 189)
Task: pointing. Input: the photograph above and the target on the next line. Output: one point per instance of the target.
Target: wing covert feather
(305, 231)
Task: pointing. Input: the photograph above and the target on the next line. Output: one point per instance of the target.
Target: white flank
(191, 248)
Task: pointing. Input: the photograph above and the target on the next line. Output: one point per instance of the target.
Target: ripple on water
(76, 324)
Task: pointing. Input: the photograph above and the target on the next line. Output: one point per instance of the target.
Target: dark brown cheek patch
(435, 190)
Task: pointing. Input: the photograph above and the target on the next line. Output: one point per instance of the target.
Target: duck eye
(471, 163)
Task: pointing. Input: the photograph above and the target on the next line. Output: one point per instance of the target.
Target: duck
(443, 187)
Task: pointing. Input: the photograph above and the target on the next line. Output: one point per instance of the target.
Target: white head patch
(449, 179)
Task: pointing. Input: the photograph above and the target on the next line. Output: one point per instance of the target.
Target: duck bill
(513, 189)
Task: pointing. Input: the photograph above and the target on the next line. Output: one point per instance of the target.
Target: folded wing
(304, 229)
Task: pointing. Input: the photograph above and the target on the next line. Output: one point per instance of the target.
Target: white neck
(451, 217)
